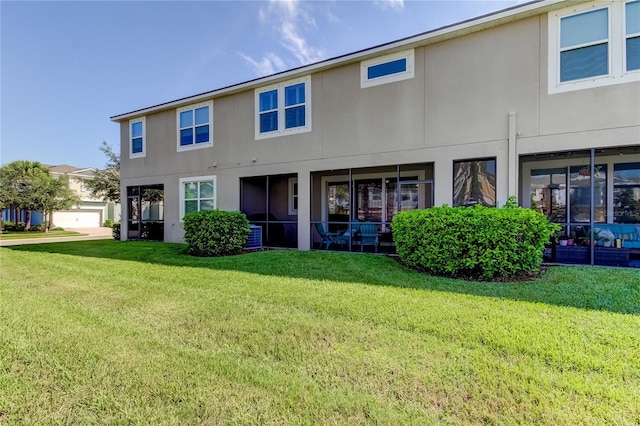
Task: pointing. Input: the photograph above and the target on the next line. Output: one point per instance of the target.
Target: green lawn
(140, 333)
(29, 235)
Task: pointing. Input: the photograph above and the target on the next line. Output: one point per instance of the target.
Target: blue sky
(66, 67)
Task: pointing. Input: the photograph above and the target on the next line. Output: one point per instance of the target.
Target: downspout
(351, 210)
(267, 209)
(399, 190)
(513, 156)
(592, 207)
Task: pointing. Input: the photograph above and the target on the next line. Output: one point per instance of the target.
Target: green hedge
(215, 232)
(11, 226)
(476, 242)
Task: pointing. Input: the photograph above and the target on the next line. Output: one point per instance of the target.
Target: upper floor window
(283, 108)
(83, 186)
(584, 45)
(137, 137)
(594, 44)
(197, 194)
(632, 35)
(195, 126)
(386, 69)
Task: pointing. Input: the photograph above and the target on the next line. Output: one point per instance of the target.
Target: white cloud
(290, 19)
(395, 5)
(269, 64)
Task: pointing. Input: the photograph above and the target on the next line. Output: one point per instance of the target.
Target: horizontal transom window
(387, 69)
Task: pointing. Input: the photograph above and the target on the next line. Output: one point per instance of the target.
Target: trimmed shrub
(215, 232)
(108, 223)
(115, 231)
(478, 242)
(8, 226)
(37, 228)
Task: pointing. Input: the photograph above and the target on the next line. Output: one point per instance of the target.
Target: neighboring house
(526, 102)
(89, 212)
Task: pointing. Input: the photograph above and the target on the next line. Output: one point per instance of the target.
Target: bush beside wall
(216, 232)
(476, 242)
(14, 227)
(115, 231)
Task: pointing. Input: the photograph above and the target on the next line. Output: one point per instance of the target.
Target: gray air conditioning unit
(255, 238)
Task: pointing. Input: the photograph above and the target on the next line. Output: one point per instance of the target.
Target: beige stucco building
(512, 103)
(88, 212)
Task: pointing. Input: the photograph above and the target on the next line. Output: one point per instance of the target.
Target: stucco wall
(456, 107)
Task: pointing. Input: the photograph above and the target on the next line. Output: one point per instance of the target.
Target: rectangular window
(549, 193)
(387, 69)
(593, 44)
(137, 138)
(474, 182)
(584, 45)
(409, 196)
(294, 106)
(369, 200)
(338, 201)
(283, 108)
(269, 111)
(293, 196)
(197, 194)
(580, 193)
(195, 126)
(626, 193)
(632, 35)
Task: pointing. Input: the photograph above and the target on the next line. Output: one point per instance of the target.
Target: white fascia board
(446, 32)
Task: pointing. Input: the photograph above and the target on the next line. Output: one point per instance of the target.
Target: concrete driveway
(91, 234)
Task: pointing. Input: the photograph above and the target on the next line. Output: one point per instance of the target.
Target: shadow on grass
(607, 289)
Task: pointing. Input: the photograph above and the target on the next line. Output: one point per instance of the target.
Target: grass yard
(141, 333)
(29, 235)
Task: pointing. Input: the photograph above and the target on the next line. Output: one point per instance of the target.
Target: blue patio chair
(328, 238)
(368, 235)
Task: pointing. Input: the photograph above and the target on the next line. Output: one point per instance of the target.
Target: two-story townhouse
(89, 211)
(541, 101)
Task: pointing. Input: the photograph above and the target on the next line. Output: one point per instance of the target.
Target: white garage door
(76, 219)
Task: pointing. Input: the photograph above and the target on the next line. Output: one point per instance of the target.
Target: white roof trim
(449, 31)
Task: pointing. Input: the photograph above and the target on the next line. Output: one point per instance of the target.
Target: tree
(27, 185)
(54, 194)
(106, 182)
(19, 181)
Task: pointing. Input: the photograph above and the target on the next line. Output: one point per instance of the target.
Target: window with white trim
(293, 196)
(195, 126)
(197, 194)
(137, 137)
(283, 108)
(387, 69)
(594, 44)
(632, 35)
(584, 45)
